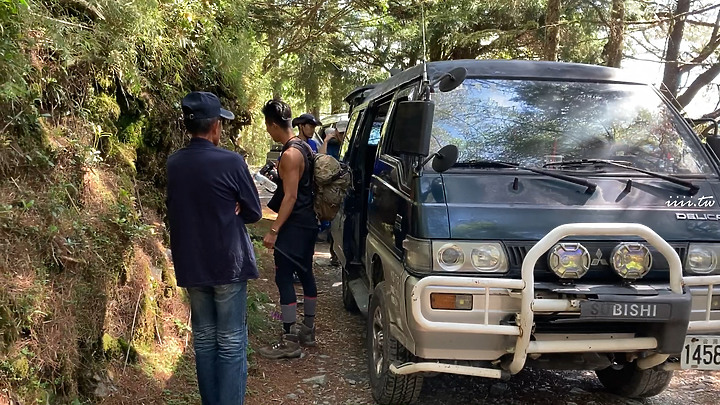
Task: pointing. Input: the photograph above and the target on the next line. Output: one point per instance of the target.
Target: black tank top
(302, 214)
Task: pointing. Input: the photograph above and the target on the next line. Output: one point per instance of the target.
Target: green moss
(104, 110)
(117, 348)
(104, 106)
(131, 130)
(21, 367)
(111, 347)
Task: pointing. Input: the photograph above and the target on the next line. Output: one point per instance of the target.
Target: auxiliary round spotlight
(569, 260)
(631, 260)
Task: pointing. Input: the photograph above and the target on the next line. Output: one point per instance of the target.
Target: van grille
(516, 254)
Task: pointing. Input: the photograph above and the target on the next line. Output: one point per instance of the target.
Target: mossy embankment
(89, 112)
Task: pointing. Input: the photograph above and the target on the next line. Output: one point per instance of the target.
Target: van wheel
(347, 296)
(383, 349)
(632, 382)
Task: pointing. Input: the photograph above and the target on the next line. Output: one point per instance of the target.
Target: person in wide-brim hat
(306, 124)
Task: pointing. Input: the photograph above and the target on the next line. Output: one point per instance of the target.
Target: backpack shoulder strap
(307, 154)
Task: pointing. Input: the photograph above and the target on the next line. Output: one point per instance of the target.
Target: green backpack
(331, 180)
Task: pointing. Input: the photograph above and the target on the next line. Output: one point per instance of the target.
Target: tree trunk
(701, 81)
(277, 81)
(271, 67)
(614, 47)
(336, 91)
(671, 75)
(312, 86)
(552, 29)
(714, 114)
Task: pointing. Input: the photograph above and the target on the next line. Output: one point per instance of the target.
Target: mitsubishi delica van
(507, 214)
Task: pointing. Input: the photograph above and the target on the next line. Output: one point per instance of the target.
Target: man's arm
(291, 169)
(247, 196)
(328, 137)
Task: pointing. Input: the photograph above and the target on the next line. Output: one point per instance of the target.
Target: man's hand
(330, 133)
(237, 208)
(269, 240)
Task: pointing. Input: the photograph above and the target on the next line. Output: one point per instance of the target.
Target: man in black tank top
(292, 234)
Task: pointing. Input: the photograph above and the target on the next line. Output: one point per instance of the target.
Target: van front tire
(632, 382)
(383, 349)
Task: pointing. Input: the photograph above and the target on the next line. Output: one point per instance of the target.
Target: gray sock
(289, 313)
(309, 309)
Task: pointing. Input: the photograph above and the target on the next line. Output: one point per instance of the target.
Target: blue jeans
(220, 341)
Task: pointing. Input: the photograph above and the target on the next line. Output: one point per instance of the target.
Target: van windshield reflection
(535, 122)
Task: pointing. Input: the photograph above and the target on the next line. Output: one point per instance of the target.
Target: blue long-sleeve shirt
(210, 244)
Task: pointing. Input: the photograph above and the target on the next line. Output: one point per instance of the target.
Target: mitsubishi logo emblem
(598, 259)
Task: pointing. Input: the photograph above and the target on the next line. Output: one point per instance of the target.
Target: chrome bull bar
(529, 304)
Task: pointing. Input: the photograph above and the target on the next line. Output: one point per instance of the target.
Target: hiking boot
(287, 347)
(305, 334)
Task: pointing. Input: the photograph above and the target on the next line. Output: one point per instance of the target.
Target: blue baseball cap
(200, 105)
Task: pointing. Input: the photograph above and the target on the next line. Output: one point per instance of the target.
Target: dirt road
(335, 372)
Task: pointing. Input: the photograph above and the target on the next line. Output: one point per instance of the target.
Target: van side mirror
(452, 79)
(442, 160)
(412, 127)
(445, 158)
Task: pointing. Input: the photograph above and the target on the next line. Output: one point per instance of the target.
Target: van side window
(349, 135)
(377, 128)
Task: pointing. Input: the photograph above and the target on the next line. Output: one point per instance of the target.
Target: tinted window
(375, 132)
(533, 122)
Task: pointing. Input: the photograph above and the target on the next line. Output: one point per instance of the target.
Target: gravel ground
(335, 372)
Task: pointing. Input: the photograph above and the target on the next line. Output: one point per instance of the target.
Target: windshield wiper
(692, 188)
(497, 163)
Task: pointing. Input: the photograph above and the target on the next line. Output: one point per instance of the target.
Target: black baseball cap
(305, 119)
(200, 105)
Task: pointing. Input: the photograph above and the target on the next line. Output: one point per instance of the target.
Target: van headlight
(484, 257)
(423, 255)
(488, 257)
(450, 257)
(702, 258)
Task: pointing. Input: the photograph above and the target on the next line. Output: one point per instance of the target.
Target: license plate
(624, 311)
(701, 353)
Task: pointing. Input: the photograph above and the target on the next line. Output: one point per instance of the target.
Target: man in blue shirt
(210, 198)
(306, 124)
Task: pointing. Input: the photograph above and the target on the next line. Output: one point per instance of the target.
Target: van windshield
(534, 122)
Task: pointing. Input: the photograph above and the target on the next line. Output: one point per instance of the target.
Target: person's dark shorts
(295, 247)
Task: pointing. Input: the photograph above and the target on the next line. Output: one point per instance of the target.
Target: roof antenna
(426, 81)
